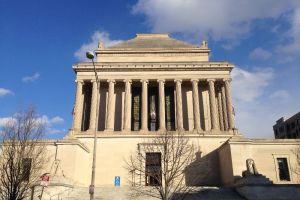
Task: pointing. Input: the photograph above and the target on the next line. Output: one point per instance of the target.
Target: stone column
(229, 103)
(78, 107)
(221, 119)
(144, 105)
(162, 115)
(197, 123)
(179, 117)
(95, 98)
(110, 121)
(127, 106)
(212, 100)
(224, 108)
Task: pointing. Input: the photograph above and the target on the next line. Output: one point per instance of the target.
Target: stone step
(122, 193)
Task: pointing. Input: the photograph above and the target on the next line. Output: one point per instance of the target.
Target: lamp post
(90, 55)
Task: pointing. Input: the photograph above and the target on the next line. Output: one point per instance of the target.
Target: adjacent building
(289, 128)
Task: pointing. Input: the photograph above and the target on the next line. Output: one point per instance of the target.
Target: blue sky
(40, 40)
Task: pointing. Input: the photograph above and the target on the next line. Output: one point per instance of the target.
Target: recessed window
(293, 125)
(281, 129)
(283, 169)
(153, 169)
(26, 168)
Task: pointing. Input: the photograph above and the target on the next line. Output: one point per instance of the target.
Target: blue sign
(117, 180)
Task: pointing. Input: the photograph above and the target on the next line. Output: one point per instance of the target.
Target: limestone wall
(264, 153)
(113, 150)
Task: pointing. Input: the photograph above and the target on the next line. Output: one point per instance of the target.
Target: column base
(180, 129)
(108, 130)
(198, 130)
(162, 130)
(91, 130)
(215, 130)
(143, 130)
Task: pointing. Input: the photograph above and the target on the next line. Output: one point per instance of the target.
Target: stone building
(150, 84)
(289, 128)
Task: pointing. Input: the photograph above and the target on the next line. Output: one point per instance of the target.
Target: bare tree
(158, 167)
(22, 155)
(296, 167)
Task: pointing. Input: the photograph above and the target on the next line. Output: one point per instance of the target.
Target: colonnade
(220, 103)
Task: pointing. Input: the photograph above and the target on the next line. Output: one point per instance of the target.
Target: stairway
(121, 193)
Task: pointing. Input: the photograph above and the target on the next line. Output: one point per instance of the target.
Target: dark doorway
(87, 97)
(170, 108)
(153, 122)
(136, 109)
(153, 169)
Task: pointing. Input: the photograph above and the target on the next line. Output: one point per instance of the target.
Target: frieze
(157, 67)
(152, 54)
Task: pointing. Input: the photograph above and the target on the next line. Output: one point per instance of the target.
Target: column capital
(111, 81)
(211, 80)
(127, 81)
(178, 80)
(144, 81)
(161, 80)
(227, 79)
(195, 80)
(93, 81)
(79, 81)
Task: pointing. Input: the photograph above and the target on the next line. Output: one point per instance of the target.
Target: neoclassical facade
(151, 84)
(154, 83)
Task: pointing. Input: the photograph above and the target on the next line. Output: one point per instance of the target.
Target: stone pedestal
(259, 187)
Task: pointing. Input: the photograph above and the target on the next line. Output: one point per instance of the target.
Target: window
(281, 129)
(136, 109)
(283, 169)
(288, 127)
(26, 168)
(170, 108)
(293, 125)
(153, 169)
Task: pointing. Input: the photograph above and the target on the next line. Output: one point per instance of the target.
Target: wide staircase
(122, 193)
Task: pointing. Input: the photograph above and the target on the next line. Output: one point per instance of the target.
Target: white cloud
(5, 120)
(49, 123)
(259, 103)
(249, 85)
(56, 120)
(254, 117)
(5, 92)
(292, 47)
(92, 45)
(32, 78)
(55, 131)
(281, 94)
(260, 54)
(220, 20)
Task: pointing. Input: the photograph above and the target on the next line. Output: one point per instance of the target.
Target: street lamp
(90, 55)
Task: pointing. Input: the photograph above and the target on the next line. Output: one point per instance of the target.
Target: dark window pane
(170, 109)
(283, 169)
(153, 169)
(26, 167)
(136, 109)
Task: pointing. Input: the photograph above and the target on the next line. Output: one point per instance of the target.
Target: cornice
(49, 142)
(151, 50)
(178, 66)
(264, 141)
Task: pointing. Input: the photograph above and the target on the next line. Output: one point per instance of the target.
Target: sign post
(44, 183)
(117, 181)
